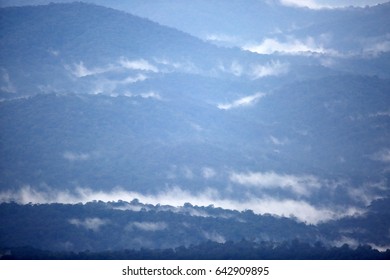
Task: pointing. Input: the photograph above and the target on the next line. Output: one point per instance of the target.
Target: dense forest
(136, 230)
(242, 250)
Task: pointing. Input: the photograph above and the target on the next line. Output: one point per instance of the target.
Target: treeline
(99, 226)
(243, 250)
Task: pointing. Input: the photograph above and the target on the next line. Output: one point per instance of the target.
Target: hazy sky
(306, 3)
(331, 3)
(349, 2)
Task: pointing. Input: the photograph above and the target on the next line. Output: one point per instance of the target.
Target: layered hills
(102, 105)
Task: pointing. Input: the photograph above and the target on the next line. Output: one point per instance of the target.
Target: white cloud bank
(382, 155)
(301, 185)
(311, 4)
(242, 102)
(147, 226)
(79, 70)
(256, 71)
(290, 46)
(273, 68)
(89, 223)
(146, 95)
(330, 4)
(139, 64)
(214, 236)
(175, 196)
(104, 85)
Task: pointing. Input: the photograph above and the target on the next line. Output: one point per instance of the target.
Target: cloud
(208, 172)
(183, 66)
(222, 38)
(234, 68)
(193, 212)
(214, 236)
(53, 52)
(131, 207)
(353, 243)
(109, 86)
(383, 156)
(380, 114)
(72, 156)
(242, 102)
(130, 72)
(376, 45)
(277, 141)
(302, 210)
(301, 185)
(151, 94)
(291, 46)
(256, 71)
(329, 4)
(146, 95)
(139, 64)
(380, 248)
(80, 70)
(89, 223)
(180, 172)
(6, 84)
(196, 127)
(132, 79)
(378, 48)
(147, 226)
(273, 68)
(28, 194)
(311, 4)
(367, 193)
(187, 172)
